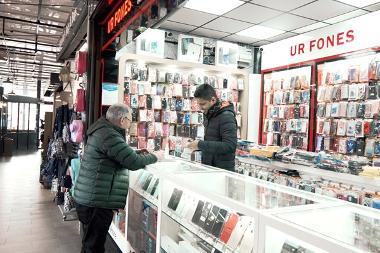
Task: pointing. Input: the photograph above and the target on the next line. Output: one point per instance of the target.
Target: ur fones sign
(119, 15)
(349, 36)
(333, 40)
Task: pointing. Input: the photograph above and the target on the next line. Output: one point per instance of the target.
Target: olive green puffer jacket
(103, 178)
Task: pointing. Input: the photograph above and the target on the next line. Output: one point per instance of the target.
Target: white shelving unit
(368, 183)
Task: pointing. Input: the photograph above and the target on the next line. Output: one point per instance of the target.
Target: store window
(22, 115)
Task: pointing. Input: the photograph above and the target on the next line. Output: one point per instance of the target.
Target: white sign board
(352, 35)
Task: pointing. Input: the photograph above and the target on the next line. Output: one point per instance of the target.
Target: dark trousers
(95, 223)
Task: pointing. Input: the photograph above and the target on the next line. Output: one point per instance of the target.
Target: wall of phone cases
(165, 113)
(286, 108)
(348, 107)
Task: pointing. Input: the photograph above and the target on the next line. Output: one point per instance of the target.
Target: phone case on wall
(321, 94)
(351, 128)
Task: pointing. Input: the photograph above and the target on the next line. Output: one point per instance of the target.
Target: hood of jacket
(104, 123)
(220, 107)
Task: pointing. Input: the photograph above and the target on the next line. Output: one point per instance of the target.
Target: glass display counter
(357, 229)
(177, 206)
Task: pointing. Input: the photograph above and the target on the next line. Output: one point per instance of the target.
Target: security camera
(261, 49)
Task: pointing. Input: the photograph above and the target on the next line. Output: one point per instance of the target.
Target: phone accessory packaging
(351, 146)
(229, 227)
(359, 128)
(247, 243)
(328, 93)
(326, 127)
(238, 232)
(369, 147)
(351, 128)
(362, 87)
(342, 127)
(344, 91)
(360, 147)
(321, 109)
(342, 146)
(321, 94)
(334, 110)
(360, 110)
(343, 109)
(352, 109)
(327, 113)
(353, 90)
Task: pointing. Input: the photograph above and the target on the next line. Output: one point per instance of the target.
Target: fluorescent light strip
(360, 3)
(260, 32)
(216, 7)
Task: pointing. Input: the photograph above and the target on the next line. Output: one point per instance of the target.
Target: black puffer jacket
(219, 145)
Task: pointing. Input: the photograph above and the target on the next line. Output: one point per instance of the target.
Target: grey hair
(117, 111)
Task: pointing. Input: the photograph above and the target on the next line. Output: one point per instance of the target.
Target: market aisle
(29, 220)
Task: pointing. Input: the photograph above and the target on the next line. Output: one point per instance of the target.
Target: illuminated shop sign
(119, 15)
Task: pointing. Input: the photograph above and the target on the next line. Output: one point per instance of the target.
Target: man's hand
(193, 145)
(160, 155)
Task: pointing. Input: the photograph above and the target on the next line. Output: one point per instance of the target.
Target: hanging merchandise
(80, 100)
(76, 129)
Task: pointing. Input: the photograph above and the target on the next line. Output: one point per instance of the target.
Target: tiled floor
(29, 220)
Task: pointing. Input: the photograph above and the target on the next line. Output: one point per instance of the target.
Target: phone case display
(348, 107)
(209, 226)
(361, 226)
(142, 223)
(286, 108)
(166, 111)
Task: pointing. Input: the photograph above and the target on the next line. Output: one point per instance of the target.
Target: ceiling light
(260, 32)
(8, 81)
(360, 3)
(217, 7)
(310, 27)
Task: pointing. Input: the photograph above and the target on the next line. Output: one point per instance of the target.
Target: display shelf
(369, 183)
(179, 64)
(119, 238)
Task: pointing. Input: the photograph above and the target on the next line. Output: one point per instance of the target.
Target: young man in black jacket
(219, 144)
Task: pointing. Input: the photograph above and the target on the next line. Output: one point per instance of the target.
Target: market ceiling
(261, 22)
(31, 30)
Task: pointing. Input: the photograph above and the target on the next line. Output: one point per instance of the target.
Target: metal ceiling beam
(23, 76)
(28, 42)
(27, 49)
(31, 4)
(26, 70)
(30, 22)
(38, 25)
(38, 63)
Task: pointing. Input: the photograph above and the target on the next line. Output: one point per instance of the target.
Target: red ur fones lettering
(330, 41)
(119, 15)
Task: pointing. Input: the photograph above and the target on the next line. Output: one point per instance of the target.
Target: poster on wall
(151, 43)
(109, 93)
(226, 54)
(190, 48)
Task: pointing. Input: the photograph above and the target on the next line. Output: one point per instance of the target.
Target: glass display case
(220, 211)
(354, 229)
(179, 206)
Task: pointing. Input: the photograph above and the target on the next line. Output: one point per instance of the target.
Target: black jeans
(95, 223)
